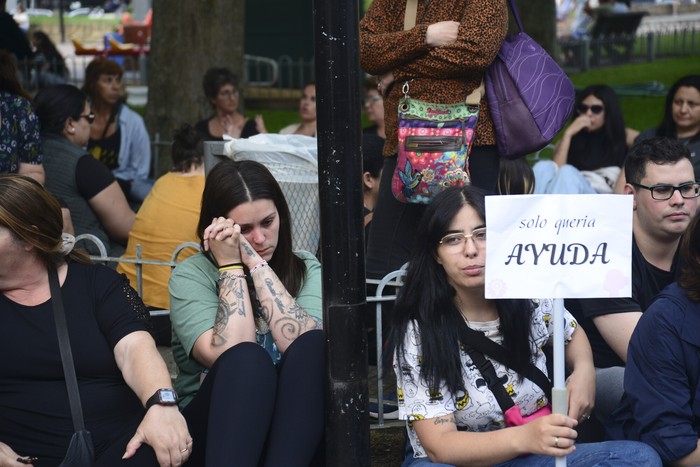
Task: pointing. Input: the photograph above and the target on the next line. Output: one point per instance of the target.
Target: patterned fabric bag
(434, 144)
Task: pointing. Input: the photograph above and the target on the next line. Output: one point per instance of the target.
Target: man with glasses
(660, 177)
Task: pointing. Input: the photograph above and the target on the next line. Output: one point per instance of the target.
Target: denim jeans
(550, 179)
(606, 454)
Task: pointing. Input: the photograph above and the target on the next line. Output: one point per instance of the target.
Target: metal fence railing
(663, 40)
(385, 292)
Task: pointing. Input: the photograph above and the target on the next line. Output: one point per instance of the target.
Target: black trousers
(249, 412)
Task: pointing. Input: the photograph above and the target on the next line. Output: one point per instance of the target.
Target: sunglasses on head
(596, 109)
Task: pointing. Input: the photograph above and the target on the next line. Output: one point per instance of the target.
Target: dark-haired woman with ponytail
(168, 217)
(452, 415)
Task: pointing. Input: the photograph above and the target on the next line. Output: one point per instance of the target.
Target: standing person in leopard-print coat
(444, 56)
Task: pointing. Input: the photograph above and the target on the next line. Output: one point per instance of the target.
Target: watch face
(167, 396)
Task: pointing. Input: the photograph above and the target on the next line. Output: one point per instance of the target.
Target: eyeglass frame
(90, 117)
(652, 189)
(476, 231)
(228, 94)
(371, 99)
(596, 109)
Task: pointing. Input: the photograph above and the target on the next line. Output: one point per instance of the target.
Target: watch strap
(156, 398)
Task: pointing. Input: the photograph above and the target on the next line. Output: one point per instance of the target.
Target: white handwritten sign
(558, 246)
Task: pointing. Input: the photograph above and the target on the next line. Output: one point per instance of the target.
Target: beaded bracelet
(261, 264)
(225, 274)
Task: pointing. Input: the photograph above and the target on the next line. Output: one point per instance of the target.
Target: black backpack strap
(478, 341)
(487, 370)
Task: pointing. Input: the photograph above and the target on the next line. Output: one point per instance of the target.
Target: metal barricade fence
(393, 280)
(390, 282)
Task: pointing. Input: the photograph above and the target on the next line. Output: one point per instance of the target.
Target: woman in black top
(223, 93)
(588, 157)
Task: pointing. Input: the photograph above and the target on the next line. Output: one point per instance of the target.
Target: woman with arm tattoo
(247, 336)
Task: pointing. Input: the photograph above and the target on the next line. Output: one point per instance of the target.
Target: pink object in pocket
(515, 418)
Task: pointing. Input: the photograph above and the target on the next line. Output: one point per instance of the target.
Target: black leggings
(394, 224)
(249, 412)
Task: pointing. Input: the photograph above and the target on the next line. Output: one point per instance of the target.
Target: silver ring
(556, 441)
(184, 450)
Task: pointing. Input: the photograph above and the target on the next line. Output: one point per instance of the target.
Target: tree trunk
(540, 22)
(187, 39)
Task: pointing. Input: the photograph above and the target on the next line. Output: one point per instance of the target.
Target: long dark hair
(668, 125)
(689, 278)
(427, 299)
(53, 56)
(231, 183)
(8, 76)
(614, 137)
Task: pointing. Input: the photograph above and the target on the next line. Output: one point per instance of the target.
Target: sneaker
(390, 408)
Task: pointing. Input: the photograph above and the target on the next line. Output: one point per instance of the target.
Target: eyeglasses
(372, 99)
(89, 117)
(228, 94)
(663, 192)
(596, 109)
(455, 241)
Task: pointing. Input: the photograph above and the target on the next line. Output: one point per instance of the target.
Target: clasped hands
(224, 239)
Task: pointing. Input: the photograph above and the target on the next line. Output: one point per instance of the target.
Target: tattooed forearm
(443, 420)
(222, 314)
(248, 249)
(289, 328)
(231, 301)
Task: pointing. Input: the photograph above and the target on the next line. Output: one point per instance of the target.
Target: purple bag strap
(514, 9)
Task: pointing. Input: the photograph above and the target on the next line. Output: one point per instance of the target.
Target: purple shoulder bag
(530, 97)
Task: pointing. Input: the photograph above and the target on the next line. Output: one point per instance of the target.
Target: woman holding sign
(463, 406)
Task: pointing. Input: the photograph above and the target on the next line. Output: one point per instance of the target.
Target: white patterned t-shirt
(477, 408)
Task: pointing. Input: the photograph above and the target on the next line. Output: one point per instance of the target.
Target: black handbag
(81, 452)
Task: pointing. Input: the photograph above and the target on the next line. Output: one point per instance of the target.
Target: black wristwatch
(162, 397)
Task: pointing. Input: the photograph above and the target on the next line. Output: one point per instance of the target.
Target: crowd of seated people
(93, 154)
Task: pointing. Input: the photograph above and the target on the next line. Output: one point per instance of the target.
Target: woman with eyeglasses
(448, 390)
(96, 202)
(592, 149)
(118, 138)
(222, 90)
(374, 109)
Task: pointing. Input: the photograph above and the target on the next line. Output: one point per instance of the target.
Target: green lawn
(640, 112)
